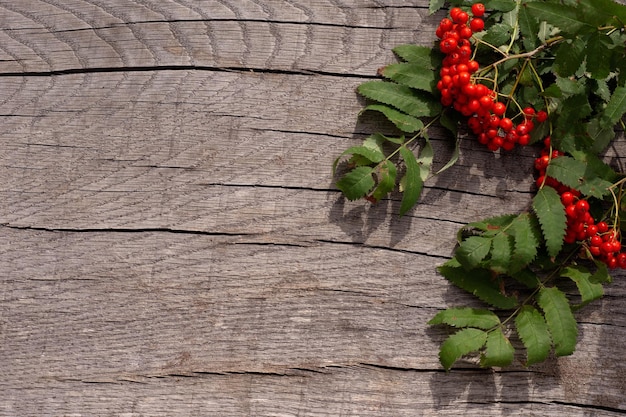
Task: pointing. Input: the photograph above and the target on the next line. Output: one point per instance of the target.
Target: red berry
(478, 9)
(461, 18)
(582, 207)
(499, 108)
(477, 24)
(542, 116)
(448, 45)
(567, 198)
(595, 241)
(446, 24)
(592, 231)
(603, 227)
(506, 124)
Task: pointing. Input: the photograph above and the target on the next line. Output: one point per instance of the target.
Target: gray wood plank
(171, 242)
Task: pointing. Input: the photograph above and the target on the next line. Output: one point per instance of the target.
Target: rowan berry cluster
(602, 241)
(459, 88)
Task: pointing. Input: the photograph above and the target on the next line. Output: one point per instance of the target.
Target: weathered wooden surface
(171, 242)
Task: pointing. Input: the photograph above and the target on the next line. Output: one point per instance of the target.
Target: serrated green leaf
(406, 99)
(357, 183)
(435, 5)
(402, 121)
(412, 75)
(501, 250)
(534, 334)
(527, 238)
(498, 350)
(569, 56)
(462, 343)
(478, 282)
(423, 56)
(564, 17)
(588, 289)
(598, 50)
(473, 250)
(498, 34)
(493, 224)
(386, 174)
(601, 12)
(526, 277)
(566, 170)
(601, 137)
(615, 108)
(560, 320)
(372, 155)
(412, 182)
(601, 276)
(500, 5)
(529, 27)
(466, 317)
(551, 215)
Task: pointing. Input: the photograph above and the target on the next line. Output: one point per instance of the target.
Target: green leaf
(560, 320)
(466, 317)
(480, 283)
(500, 5)
(412, 183)
(461, 343)
(564, 17)
(435, 5)
(551, 214)
(601, 137)
(498, 350)
(569, 57)
(473, 250)
(372, 155)
(357, 183)
(498, 34)
(501, 250)
(601, 276)
(597, 50)
(412, 75)
(533, 331)
(529, 27)
(402, 121)
(401, 97)
(423, 56)
(386, 174)
(615, 109)
(588, 289)
(526, 233)
(566, 170)
(492, 225)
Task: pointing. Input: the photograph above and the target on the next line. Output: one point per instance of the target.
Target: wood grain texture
(171, 242)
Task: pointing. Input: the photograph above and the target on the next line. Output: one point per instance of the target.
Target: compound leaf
(527, 237)
(564, 17)
(401, 97)
(460, 344)
(473, 250)
(418, 54)
(370, 154)
(480, 283)
(498, 350)
(466, 317)
(533, 331)
(551, 214)
(402, 121)
(615, 108)
(583, 278)
(412, 75)
(501, 250)
(357, 183)
(560, 320)
(412, 183)
(386, 174)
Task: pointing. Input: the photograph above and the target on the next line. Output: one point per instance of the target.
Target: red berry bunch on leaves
(459, 89)
(599, 239)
